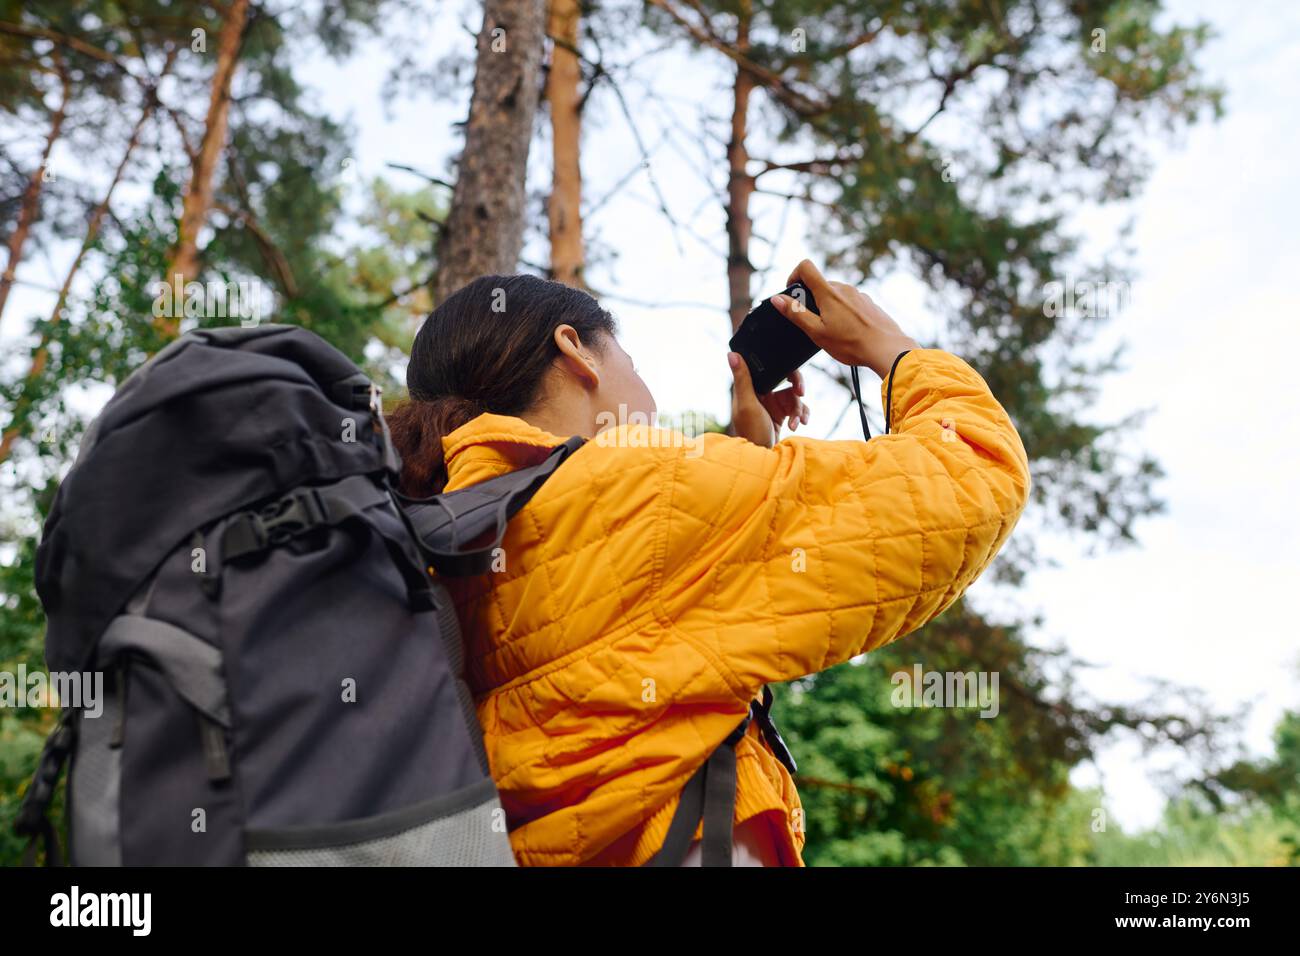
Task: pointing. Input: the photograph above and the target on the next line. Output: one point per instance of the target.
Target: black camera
(771, 345)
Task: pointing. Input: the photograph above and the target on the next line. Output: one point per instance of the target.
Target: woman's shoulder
(690, 457)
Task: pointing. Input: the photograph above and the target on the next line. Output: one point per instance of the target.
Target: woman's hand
(851, 328)
(758, 418)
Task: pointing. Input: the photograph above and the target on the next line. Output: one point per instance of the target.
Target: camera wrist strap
(857, 396)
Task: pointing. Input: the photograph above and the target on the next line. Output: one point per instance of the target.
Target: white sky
(1212, 334)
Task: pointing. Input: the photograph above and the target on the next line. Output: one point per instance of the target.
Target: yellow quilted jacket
(656, 583)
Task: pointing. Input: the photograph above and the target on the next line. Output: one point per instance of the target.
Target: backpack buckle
(356, 392)
(733, 738)
(281, 520)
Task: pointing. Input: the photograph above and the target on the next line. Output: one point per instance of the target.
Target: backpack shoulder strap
(32, 821)
(451, 527)
(711, 794)
(708, 797)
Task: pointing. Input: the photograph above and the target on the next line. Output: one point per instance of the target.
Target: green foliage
(22, 633)
(21, 740)
(1191, 834)
(911, 785)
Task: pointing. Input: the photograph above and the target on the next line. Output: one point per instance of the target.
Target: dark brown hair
(485, 348)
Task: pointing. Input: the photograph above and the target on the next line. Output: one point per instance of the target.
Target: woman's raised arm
(814, 551)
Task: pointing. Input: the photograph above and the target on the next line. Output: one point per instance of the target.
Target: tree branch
(769, 79)
(423, 175)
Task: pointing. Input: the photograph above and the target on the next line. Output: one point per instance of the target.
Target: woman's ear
(576, 358)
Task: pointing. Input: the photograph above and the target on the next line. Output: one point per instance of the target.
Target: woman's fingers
(797, 312)
(786, 408)
(808, 273)
(798, 417)
(751, 417)
(850, 327)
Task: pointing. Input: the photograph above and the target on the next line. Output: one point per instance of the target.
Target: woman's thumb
(740, 375)
(796, 311)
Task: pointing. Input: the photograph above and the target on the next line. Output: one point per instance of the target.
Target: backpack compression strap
(305, 508)
(449, 524)
(712, 793)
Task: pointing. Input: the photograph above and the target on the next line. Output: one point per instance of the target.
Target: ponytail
(418, 427)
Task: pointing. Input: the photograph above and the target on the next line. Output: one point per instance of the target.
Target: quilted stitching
(640, 562)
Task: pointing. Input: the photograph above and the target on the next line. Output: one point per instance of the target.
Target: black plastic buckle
(356, 392)
(281, 520)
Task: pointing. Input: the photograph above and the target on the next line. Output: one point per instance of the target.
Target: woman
(655, 584)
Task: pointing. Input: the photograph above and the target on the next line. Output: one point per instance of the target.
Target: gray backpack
(282, 681)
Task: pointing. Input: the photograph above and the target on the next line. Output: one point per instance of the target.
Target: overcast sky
(1212, 334)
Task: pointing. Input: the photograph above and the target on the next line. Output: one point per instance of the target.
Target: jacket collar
(492, 445)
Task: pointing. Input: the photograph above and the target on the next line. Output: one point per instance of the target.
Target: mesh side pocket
(441, 832)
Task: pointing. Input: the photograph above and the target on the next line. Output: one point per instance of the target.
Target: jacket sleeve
(783, 562)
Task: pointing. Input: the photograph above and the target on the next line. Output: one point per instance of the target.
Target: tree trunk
(198, 195)
(41, 356)
(740, 185)
(29, 209)
(564, 210)
(484, 232)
